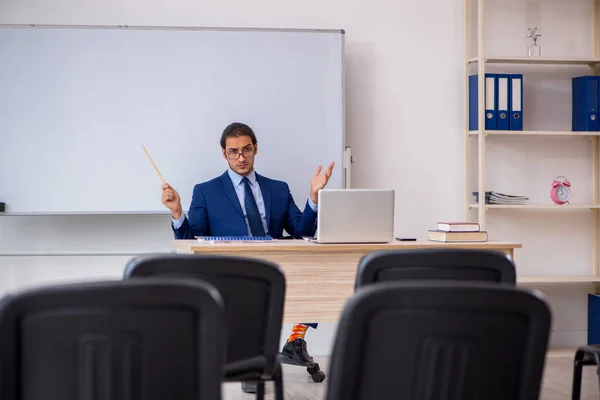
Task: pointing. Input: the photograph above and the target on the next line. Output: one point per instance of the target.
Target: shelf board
(561, 352)
(564, 207)
(558, 279)
(539, 60)
(538, 133)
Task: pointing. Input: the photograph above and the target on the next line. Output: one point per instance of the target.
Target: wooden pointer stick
(154, 165)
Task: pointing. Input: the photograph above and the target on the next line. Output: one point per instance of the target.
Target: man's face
(239, 153)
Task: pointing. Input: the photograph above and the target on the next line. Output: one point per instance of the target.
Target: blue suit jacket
(215, 211)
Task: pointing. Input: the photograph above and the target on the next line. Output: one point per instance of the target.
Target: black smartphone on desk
(406, 239)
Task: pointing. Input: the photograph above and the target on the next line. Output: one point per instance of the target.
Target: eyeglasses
(234, 155)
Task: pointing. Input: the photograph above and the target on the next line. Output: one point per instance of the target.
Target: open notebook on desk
(236, 239)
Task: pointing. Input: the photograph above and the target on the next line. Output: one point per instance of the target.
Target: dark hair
(237, 129)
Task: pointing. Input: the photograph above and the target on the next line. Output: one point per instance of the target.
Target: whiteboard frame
(346, 160)
(167, 28)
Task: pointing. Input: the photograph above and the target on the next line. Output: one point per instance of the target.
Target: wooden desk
(320, 277)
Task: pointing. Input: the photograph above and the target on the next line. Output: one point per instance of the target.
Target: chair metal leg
(576, 391)
(260, 390)
(278, 381)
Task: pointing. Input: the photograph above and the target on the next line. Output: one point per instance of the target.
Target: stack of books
(458, 232)
(501, 198)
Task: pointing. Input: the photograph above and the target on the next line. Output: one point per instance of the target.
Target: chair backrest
(437, 264)
(116, 340)
(253, 291)
(440, 340)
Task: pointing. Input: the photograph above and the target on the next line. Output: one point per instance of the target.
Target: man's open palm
(319, 181)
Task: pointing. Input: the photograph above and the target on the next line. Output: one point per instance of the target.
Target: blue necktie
(256, 226)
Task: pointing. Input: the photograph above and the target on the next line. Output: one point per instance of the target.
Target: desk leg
(511, 254)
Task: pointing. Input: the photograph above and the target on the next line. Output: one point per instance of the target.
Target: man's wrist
(177, 214)
(314, 206)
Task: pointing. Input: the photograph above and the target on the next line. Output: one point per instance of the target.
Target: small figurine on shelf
(534, 49)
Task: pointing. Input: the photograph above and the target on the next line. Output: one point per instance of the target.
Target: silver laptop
(355, 216)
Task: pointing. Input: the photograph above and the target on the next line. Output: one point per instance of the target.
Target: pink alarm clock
(560, 193)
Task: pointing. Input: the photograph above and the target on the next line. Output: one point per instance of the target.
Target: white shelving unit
(480, 61)
(478, 64)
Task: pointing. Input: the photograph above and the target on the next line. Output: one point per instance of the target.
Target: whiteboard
(78, 103)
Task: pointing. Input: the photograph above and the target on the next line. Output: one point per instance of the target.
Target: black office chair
(440, 340)
(439, 264)
(254, 293)
(119, 340)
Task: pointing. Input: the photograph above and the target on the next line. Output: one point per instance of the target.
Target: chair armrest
(588, 354)
(252, 368)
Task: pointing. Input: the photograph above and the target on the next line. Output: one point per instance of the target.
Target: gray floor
(298, 385)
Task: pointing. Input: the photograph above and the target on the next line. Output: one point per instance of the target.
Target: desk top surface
(300, 245)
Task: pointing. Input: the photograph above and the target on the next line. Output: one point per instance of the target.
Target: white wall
(404, 123)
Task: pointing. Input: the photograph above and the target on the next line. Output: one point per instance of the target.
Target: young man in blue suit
(241, 202)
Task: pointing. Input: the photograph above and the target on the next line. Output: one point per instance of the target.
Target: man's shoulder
(274, 182)
(210, 184)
